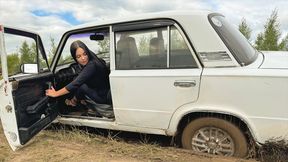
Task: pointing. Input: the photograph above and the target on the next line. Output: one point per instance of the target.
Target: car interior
(97, 40)
(86, 108)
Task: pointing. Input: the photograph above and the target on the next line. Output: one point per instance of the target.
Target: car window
(180, 55)
(22, 50)
(148, 49)
(99, 47)
(141, 49)
(239, 46)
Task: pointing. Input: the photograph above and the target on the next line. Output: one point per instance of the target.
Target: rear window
(238, 45)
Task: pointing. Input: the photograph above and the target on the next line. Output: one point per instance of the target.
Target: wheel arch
(243, 124)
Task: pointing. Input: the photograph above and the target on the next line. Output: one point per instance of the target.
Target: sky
(51, 18)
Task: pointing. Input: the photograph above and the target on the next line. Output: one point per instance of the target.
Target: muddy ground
(77, 145)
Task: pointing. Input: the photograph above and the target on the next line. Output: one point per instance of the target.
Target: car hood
(275, 60)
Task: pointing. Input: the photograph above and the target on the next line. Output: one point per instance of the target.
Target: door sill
(89, 117)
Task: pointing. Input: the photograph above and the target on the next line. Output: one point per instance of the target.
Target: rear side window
(234, 40)
(180, 54)
(152, 48)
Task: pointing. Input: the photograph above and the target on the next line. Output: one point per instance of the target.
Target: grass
(68, 143)
(132, 145)
(72, 133)
(274, 150)
(109, 141)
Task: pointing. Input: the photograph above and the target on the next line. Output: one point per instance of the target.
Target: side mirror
(29, 68)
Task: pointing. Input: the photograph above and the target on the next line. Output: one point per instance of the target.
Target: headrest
(156, 46)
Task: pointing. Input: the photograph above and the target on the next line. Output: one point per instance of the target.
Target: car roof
(145, 16)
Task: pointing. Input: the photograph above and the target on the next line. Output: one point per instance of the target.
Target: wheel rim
(213, 141)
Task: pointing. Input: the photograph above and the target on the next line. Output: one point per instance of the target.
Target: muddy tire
(214, 136)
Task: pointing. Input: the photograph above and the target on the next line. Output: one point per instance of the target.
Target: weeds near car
(71, 133)
(274, 150)
(145, 147)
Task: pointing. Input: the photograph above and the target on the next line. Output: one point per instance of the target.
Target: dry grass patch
(274, 150)
(73, 144)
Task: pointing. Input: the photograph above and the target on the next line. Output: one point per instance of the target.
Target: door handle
(185, 83)
(49, 84)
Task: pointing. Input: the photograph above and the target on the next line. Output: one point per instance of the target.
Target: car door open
(25, 109)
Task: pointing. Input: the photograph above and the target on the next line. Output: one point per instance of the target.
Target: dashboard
(66, 73)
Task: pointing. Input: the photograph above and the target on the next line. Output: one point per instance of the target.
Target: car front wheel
(214, 136)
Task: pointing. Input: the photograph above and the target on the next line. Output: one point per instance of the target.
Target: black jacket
(95, 75)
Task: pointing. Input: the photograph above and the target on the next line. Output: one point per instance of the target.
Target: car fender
(195, 108)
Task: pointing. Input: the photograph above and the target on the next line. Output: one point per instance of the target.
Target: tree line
(270, 38)
(28, 55)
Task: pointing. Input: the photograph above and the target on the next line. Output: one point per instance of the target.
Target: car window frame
(65, 37)
(233, 49)
(157, 23)
(39, 46)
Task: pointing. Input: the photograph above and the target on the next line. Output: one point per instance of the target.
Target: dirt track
(77, 146)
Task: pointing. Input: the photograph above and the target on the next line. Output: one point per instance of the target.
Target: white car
(186, 74)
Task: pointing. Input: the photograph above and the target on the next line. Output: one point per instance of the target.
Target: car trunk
(275, 60)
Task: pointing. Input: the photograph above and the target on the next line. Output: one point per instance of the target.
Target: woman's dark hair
(91, 55)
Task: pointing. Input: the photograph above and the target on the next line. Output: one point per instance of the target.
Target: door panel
(148, 98)
(31, 105)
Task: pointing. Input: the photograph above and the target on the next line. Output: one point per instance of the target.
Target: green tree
(27, 54)
(270, 38)
(259, 41)
(284, 44)
(33, 50)
(52, 50)
(144, 45)
(177, 41)
(245, 29)
(104, 45)
(104, 48)
(13, 63)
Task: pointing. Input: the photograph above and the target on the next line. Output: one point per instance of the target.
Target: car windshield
(99, 47)
(238, 45)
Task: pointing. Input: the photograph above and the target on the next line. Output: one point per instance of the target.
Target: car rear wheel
(214, 136)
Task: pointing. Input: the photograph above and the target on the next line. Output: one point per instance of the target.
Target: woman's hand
(51, 92)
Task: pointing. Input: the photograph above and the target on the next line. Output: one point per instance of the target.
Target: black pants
(98, 97)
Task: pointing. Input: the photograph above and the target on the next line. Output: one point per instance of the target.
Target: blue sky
(52, 18)
(66, 16)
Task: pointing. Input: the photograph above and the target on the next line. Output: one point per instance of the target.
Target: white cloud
(19, 12)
